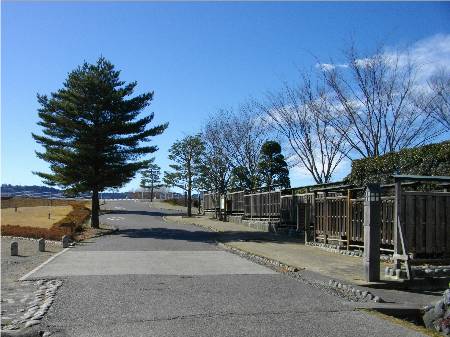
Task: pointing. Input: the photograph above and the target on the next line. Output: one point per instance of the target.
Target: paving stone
(31, 323)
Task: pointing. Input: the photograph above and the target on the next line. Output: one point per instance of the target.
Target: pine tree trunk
(95, 210)
(189, 201)
(151, 194)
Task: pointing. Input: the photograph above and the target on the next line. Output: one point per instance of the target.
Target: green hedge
(433, 159)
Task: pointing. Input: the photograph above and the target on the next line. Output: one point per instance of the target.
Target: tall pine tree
(92, 132)
(151, 178)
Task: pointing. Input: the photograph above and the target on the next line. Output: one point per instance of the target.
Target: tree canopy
(272, 166)
(186, 154)
(151, 177)
(93, 135)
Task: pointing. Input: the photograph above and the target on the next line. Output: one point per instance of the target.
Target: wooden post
(399, 238)
(251, 206)
(307, 223)
(397, 221)
(325, 212)
(372, 231)
(313, 212)
(349, 217)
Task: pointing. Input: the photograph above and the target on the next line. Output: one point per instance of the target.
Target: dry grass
(8, 202)
(68, 220)
(34, 216)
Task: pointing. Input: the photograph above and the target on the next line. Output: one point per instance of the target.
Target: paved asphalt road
(157, 278)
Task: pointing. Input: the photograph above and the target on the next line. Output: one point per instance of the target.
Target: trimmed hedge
(428, 160)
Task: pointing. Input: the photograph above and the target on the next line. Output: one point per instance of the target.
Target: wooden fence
(426, 221)
(262, 205)
(236, 202)
(341, 219)
(338, 217)
(210, 201)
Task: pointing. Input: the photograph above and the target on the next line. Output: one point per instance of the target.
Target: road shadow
(162, 233)
(431, 286)
(145, 213)
(201, 235)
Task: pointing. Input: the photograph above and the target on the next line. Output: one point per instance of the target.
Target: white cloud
(329, 66)
(300, 176)
(429, 54)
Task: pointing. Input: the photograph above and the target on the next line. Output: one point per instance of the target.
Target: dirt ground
(14, 267)
(16, 295)
(34, 216)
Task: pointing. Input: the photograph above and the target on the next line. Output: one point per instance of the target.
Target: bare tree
(215, 164)
(373, 104)
(247, 133)
(439, 107)
(297, 113)
(235, 138)
(215, 167)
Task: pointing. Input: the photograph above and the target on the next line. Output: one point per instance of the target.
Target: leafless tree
(216, 165)
(297, 113)
(235, 139)
(439, 84)
(373, 104)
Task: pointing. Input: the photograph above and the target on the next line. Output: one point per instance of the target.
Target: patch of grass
(33, 202)
(37, 216)
(69, 225)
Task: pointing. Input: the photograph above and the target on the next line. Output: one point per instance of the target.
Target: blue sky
(197, 57)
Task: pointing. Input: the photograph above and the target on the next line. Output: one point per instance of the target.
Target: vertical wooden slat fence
(426, 219)
(237, 202)
(210, 202)
(339, 217)
(262, 205)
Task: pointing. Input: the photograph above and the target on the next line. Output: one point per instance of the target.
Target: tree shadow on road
(201, 235)
(145, 213)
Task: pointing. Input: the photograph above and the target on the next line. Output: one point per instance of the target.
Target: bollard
(41, 243)
(372, 234)
(65, 241)
(14, 248)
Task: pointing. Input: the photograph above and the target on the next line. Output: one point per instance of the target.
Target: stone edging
(364, 295)
(419, 271)
(335, 249)
(43, 299)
